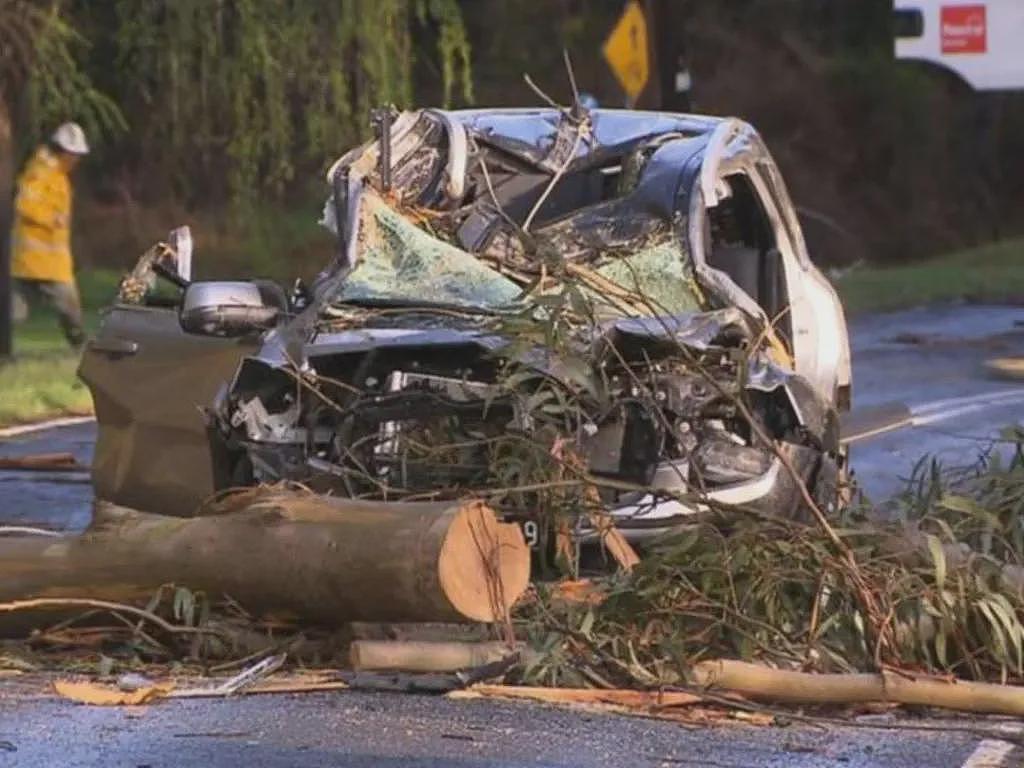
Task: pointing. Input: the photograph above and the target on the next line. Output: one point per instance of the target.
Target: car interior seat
(742, 263)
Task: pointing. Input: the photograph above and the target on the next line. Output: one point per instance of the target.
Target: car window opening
(743, 245)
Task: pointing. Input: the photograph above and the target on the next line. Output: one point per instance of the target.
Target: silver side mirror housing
(222, 308)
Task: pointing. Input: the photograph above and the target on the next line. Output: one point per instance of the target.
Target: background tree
(39, 76)
(241, 101)
(229, 100)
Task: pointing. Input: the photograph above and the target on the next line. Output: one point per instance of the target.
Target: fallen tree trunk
(321, 559)
(760, 682)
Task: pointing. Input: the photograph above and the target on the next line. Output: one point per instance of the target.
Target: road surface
(356, 730)
(933, 361)
(930, 359)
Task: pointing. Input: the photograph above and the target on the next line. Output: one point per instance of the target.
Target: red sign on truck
(964, 29)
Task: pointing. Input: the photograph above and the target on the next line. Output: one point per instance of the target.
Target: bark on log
(413, 656)
(321, 559)
(762, 682)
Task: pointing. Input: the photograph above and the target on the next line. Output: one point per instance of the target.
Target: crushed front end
(517, 318)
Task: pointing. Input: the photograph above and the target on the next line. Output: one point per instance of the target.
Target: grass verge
(40, 381)
(40, 387)
(991, 274)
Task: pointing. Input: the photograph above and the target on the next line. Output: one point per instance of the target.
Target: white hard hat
(71, 138)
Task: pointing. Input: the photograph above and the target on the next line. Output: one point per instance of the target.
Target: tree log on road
(320, 559)
(760, 682)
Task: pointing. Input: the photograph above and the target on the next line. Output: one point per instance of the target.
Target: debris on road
(87, 692)
(593, 335)
(425, 656)
(586, 696)
(1006, 368)
(43, 462)
(324, 559)
(675, 706)
(267, 681)
(294, 682)
(247, 678)
(947, 595)
(901, 687)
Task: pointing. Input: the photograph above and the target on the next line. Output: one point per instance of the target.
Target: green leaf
(1004, 611)
(587, 624)
(961, 504)
(940, 645)
(939, 559)
(997, 629)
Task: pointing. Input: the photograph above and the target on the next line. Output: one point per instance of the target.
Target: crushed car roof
(530, 133)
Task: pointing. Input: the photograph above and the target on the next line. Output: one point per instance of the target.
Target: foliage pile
(948, 576)
(186, 630)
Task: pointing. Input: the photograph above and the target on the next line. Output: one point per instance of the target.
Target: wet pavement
(57, 500)
(932, 360)
(357, 730)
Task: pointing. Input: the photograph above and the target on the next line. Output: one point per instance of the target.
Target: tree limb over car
(523, 305)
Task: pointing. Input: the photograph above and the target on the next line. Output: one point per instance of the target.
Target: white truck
(979, 41)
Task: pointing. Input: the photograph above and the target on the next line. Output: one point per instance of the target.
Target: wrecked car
(540, 307)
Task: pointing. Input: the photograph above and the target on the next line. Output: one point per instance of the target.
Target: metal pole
(6, 334)
(667, 18)
(6, 220)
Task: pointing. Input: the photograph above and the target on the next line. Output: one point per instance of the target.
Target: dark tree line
(217, 104)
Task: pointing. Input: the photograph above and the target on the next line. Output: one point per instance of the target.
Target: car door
(149, 382)
(821, 346)
(747, 243)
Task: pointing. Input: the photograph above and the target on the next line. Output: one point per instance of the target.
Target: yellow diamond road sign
(625, 50)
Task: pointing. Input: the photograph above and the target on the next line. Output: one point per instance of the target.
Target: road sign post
(6, 220)
(6, 334)
(627, 51)
(672, 79)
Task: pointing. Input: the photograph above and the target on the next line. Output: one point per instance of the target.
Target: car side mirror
(226, 309)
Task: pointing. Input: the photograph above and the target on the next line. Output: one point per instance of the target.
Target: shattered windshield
(401, 262)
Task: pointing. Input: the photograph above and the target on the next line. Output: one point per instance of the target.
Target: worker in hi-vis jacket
(41, 263)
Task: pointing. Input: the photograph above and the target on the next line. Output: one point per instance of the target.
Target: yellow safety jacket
(41, 240)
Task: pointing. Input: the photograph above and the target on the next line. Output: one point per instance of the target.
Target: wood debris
(43, 462)
(677, 706)
(327, 560)
(761, 682)
(97, 694)
(412, 656)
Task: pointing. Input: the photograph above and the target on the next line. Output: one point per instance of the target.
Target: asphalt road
(356, 730)
(932, 360)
